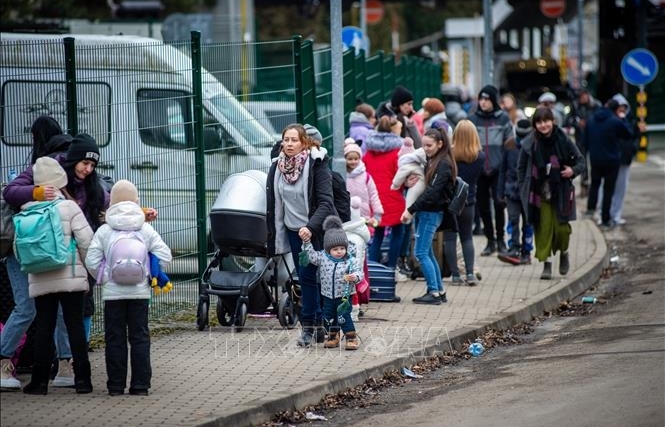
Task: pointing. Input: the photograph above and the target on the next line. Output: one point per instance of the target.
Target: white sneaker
(7, 379)
(65, 377)
(620, 221)
(355, 311)
(399, 277)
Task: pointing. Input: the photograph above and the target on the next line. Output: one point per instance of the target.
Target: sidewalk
(222, 378)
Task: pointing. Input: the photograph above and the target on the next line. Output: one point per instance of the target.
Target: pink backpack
(126, 260)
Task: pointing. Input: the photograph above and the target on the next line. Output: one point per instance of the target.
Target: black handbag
(458, 201)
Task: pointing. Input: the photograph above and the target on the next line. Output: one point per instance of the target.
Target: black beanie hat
(334, 233)
(401, 95)
(523, 127)
(83, 147)
(492, 93)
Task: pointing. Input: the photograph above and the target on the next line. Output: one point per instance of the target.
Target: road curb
(259, 412)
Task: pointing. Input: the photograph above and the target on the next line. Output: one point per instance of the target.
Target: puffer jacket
(496, 134)
(68, 278)
(381, 162)
(332, 271)
(124, 216)
(361, 184)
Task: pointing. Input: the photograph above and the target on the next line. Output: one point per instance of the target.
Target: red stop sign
(552, 8)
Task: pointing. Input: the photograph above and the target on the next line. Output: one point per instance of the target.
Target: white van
(135, 98)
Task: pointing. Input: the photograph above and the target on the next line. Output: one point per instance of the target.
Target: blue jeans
(24, 309)
(426, 225)
(310, 299)
(396, 239)
(127, 319)
(330, 315)
(62, 349)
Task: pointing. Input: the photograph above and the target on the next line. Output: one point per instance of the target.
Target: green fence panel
(388, 82)
(360, 74)
(349, 85)
(323, 89)
(374, 79)
(305, 82)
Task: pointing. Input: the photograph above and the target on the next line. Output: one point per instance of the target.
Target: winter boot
(564, 263)
(82, 381)
(319, 332)
(332, 341)
(305, 339)
(351, 341)
(39, 381)
(547, 271)
(489, 249)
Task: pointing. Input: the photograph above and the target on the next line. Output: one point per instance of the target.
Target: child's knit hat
(47, 171)
(334, 233)
(350, 146)
(124, 191)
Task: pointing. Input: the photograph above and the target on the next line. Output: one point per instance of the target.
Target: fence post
(297, 76)
(70, 86)
(199, 154)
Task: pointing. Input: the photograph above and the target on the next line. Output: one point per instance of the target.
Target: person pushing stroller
(339, 272)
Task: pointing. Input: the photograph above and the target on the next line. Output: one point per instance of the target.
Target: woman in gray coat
(548, 163)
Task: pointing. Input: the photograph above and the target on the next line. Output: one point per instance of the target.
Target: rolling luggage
(381, 283)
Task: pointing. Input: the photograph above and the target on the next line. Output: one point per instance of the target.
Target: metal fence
(174, 118)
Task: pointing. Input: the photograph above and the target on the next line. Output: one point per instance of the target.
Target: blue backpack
(39, 241)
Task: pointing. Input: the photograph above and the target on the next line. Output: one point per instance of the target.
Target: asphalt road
(601, 365)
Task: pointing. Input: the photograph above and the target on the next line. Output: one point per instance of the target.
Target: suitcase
(381, 283)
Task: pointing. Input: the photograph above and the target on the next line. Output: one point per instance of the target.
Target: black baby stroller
(238, 224)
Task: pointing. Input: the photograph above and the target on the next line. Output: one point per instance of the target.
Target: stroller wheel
(286, 314)
(202, 314)
(224, 316)
(241, 316)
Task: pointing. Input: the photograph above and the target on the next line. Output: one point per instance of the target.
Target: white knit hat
(47, 171)
(124, 191)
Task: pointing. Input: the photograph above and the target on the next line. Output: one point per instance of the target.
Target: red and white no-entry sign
(552, 8)
(373, 11)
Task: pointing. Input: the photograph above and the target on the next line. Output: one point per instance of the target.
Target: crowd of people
(402, 167)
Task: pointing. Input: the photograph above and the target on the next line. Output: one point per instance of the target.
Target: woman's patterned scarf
(291, 167)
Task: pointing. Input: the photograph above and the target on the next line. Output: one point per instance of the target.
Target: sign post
(639, 67)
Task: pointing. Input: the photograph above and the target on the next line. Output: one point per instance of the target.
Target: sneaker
(471, 279)
(442, 297)
(489, 249)
(607, 225)
(589, 213)
(399, 277)
(620, 221)
(138, 391)
(7, 379)
(525, 259)
(456, 280)
(511, 257)
(428, 299)
(65, 377)
(501, 246)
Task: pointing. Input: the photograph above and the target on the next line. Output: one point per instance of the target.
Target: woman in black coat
(299, 197)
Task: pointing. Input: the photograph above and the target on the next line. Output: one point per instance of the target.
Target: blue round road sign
(639, 67)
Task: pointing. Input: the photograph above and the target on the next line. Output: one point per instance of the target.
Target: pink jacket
(360, 183)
